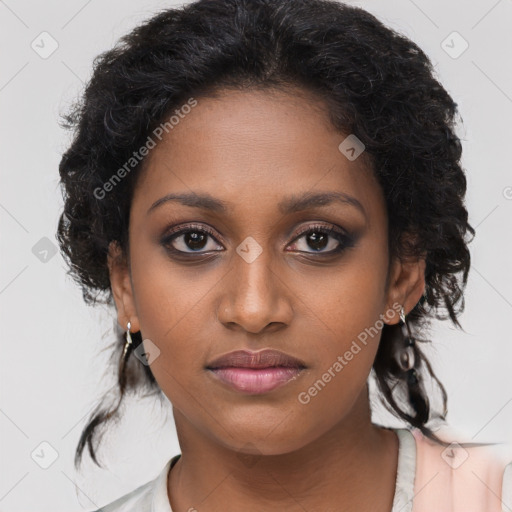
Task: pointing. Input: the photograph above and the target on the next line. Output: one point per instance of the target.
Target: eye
(193, 237)
(320, 237)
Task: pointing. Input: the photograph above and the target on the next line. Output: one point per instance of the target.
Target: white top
(152, 496)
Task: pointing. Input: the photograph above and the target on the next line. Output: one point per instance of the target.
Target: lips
(263, 359)
(255, 373)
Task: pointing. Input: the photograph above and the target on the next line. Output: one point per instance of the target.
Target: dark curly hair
(376, 84)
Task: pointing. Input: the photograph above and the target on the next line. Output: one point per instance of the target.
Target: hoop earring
(128, 343)
(405, 357)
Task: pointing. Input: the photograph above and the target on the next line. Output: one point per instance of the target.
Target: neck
(353, 463)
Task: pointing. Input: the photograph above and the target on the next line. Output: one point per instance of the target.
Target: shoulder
(137, 500)
(506, 496)
(463, 475)
(149, 497)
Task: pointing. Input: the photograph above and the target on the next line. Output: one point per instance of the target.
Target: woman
(270, 193)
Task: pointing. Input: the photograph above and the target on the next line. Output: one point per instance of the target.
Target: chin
(260, 439)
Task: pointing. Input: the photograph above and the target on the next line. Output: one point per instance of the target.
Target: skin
(269, 452)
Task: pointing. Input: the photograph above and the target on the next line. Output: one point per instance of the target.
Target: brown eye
(318, 238)
(190, 239)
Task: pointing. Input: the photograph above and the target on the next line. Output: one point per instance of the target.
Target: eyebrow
(289, 205)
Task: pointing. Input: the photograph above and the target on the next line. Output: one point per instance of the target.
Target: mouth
(256, 372)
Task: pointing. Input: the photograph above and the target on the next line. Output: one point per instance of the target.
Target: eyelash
(344, 239)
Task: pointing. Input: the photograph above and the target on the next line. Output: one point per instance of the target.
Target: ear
(121, 285)
(406, 285)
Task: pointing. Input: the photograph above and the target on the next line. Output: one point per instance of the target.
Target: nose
(255, 298)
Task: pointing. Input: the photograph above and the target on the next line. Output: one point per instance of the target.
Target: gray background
(52, 365)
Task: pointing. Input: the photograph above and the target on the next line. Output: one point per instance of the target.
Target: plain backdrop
(52, 365)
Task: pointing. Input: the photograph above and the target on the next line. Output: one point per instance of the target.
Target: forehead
(254, 146)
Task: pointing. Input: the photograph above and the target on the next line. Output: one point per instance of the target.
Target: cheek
(344, 357)
(347, 314)
(351, 298)
(169, 298)
(344, 354)
(174, 312)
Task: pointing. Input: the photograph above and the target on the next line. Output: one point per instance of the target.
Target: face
(255, 266)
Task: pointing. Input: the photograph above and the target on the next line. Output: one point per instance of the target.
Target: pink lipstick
(256, 372)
